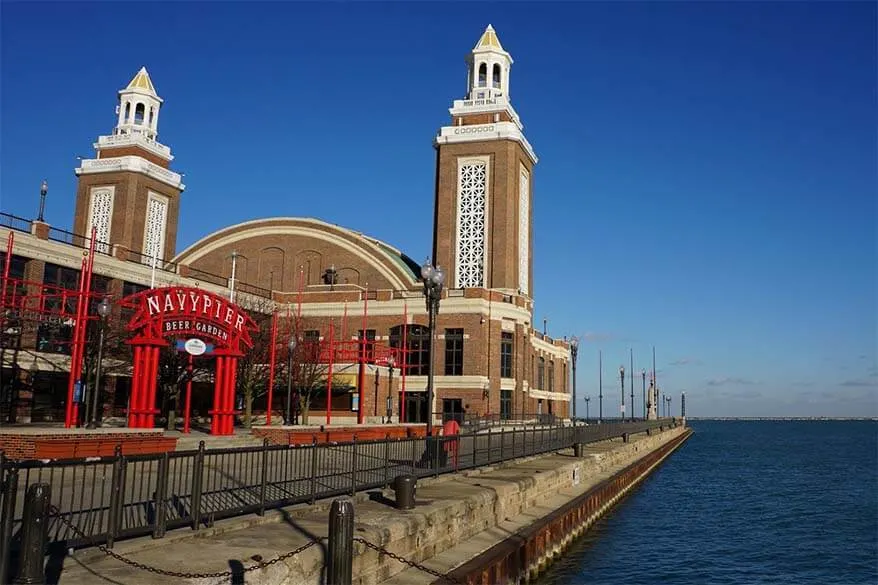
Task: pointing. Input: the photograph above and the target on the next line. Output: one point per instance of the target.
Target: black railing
(16, 223)
(109, 498)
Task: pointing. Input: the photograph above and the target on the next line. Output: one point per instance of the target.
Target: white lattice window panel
(523, 231)
(100, 217)
(154, 237)
(472, 203)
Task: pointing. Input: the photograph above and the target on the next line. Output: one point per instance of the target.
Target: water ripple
(744, 502)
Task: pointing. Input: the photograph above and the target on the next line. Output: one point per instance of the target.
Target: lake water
(744, 502)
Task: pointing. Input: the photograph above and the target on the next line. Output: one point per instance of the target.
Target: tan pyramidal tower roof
(489, 40)
(142, 81)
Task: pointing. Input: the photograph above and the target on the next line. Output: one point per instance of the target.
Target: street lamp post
(291, 346)
(622, 380)
(390, 363)
(103, 311)
(587, 400)
(574, 350)
(670, 414)
(44, 189)
(683, 405)
(643, 399)
(433, 278)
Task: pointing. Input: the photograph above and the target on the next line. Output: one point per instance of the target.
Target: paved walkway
(236, 543)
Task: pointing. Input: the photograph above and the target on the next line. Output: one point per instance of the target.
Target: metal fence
(110, 498)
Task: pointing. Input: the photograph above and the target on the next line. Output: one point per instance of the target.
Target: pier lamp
(683, 405)
(574, 350)
(103, 312)
(433, 278)
(643, 378)
(587, 400)
(44, 189)
(622, 380)
(291, 346)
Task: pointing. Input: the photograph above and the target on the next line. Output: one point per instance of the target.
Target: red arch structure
(178, 312)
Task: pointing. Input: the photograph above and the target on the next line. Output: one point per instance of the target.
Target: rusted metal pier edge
(523, 556)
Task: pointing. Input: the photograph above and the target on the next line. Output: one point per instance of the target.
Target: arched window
(151, 116)
(417, 347)
(496, 76)
(483, 75)
(139, 113)
(127, 117)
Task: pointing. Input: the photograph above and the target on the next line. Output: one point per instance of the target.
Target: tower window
(151, 115)
(139, 113)
(454, 352)
(483, 75)
(472, 201)
(506, 340)
(496, 75)
(127, 113)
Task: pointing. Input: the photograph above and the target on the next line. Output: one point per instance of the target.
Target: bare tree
(254, 367)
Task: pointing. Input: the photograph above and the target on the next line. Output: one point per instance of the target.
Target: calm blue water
(744, 502)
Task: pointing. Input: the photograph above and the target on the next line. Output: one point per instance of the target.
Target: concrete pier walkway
(456, 518)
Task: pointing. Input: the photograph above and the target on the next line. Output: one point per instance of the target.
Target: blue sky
(707, 180)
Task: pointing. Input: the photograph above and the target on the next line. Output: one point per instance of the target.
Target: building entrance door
(415, 407)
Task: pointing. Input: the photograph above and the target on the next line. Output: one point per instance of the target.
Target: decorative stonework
(154, 237)
(523, 230)
(100, 217)
(471, 224)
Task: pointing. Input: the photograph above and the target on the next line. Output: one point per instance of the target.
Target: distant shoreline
(784, 418)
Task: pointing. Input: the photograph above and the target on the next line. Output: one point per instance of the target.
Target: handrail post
(161, 497)
(34, 531)
(354, 467)
(197, 477)
(314, 448)
(339, 570)
(264, 479)
(117, 496)
(386, 460)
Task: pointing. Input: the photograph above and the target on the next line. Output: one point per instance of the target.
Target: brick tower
(128, 193)
(482, 227)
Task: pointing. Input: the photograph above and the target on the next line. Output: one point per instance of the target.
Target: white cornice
(134, 139)
(485, 106)
(135, 164)
(562, 396)
(485, 132)
(553, 350)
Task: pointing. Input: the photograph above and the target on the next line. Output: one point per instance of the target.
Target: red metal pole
(329, 378)
(217, 395)
(187, 409)
(230, 395)
(404, 361)
(301, 291)
(74, 350)
(344, 323)
(134, 397)
(271, 368)
(361, 383)
(9, 244)
(81, 324)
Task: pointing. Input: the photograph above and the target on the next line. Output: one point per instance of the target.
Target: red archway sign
(175, 312)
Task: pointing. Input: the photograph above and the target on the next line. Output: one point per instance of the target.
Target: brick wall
(72, 445)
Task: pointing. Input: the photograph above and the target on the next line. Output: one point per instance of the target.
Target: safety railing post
(263, 483)
(161, 497)
(386, 461)
(354, 467)
(314, 449)
(197, 478)
(117, 496)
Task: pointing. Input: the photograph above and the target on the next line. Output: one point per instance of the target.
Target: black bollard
(341, 542)
(31, 566)
(405, 486)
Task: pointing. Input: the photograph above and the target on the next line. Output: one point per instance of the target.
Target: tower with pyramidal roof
(128, 194)
(482, 229)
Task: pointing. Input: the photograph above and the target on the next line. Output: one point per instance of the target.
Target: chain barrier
(396, 557)
(182, 575)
